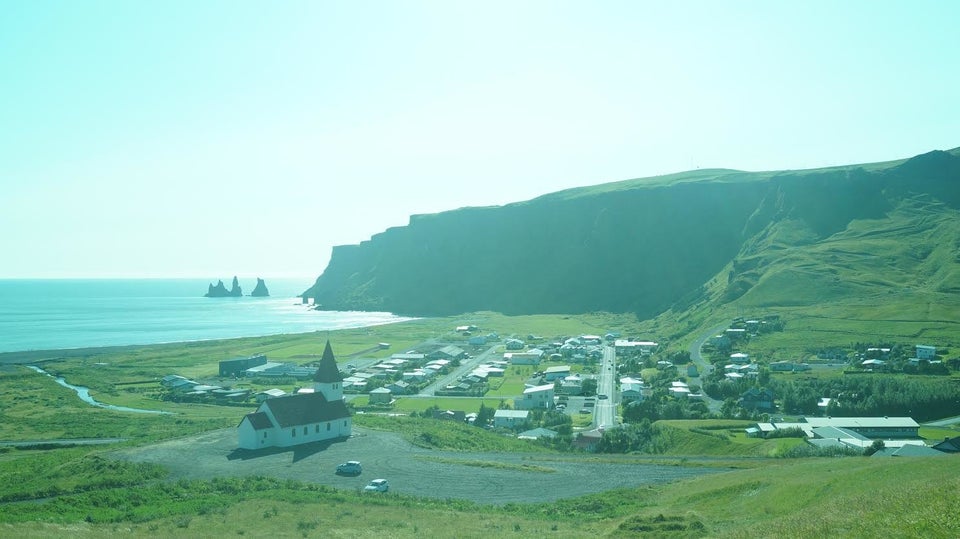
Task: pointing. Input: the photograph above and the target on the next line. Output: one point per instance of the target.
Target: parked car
(377, 485)
(351, 467)
(602, 397)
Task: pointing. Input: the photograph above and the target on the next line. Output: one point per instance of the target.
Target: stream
(84, 394)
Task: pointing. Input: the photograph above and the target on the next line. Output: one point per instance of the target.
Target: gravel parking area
(410, 470)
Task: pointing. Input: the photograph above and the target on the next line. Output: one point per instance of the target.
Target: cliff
(260, 291)
(220, 291)
(648, 245)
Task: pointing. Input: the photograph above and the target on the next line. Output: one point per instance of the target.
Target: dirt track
(410, 470)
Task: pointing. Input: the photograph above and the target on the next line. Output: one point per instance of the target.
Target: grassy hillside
(849, 497)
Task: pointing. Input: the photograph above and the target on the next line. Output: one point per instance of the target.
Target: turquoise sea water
(78, 313)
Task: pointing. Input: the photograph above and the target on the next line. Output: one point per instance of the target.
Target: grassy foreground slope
(850, 497)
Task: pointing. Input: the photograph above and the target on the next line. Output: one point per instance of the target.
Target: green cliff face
(644, 246)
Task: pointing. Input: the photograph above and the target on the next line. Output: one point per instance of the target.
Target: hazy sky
(208, 139)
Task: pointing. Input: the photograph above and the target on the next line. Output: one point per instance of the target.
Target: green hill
(883, 236)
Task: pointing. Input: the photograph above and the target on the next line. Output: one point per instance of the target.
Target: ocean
(78, 313)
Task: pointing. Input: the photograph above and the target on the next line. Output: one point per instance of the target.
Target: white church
(302, 418)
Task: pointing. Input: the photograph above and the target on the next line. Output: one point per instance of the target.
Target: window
(317, 428)
(328, 426)
(344, 422)
(293, 433)
(264, 435)
(304, 431)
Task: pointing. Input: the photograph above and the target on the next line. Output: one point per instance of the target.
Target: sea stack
(260, 291)
(220, 291)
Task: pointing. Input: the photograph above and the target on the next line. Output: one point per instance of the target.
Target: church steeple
(327, 380)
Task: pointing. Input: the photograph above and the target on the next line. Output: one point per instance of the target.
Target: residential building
(510, 418)
(535, 397)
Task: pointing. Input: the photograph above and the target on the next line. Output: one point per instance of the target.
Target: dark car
(351, 467)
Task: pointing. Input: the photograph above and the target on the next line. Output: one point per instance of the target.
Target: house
(450, 352)
(170, 379)
(514, 344)
(908, 450)
(949, 445)
(530, 357)
(477, 340)
(591, 339)
(926, 352)
(781, 366)
(631, 389)
(381, 395)
(740, 358)
(236, 366)
(679, 390)
(537, 433)
(510, 418)
(355, 383)
(270, 394)
(572, 385)
(416, 376)
(398, 388)
(303, 418)
(262, 368)
(556, 373)
(626, 347)
(757, 399)
(415, 359)
(874, 364)
(535, 397)
(183, 384)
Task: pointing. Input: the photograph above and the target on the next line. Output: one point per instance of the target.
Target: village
(550, 390)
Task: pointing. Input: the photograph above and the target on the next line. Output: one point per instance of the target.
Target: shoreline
(52, 354)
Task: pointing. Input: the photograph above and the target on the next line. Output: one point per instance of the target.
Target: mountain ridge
(642, 246)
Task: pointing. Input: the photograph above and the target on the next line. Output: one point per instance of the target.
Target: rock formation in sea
(260, 291)
(220, 291)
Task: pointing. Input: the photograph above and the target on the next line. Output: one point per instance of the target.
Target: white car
(377, 485)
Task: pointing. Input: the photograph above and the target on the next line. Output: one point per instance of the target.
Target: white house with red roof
(303, 418)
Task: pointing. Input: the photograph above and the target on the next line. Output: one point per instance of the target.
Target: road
(605, 411)
(703, 366)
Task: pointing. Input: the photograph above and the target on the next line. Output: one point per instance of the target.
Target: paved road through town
(605, 411)
(703, 366)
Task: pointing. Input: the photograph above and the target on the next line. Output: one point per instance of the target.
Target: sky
(219, 138)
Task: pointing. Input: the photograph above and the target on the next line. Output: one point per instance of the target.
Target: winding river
(84, 394)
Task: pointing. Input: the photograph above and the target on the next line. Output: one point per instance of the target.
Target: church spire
(327, 371)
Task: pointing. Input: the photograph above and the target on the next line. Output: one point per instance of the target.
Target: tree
(877, 445)
(484, 416)
(589, 387)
